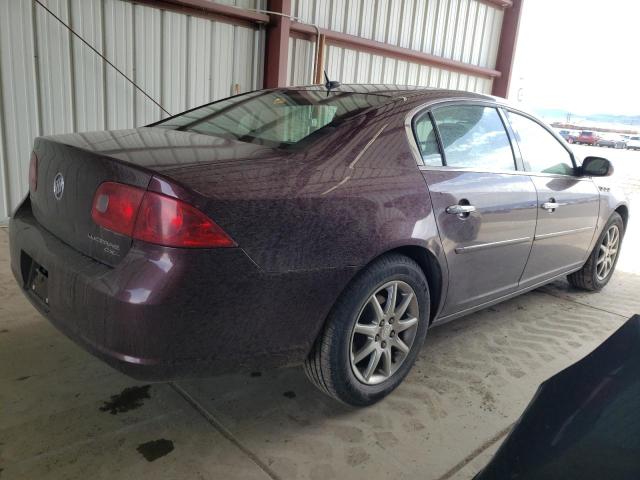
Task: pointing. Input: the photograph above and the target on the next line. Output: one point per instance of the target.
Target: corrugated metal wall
(463, 30)
(52, 83)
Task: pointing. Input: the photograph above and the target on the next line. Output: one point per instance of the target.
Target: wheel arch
(623, 211)
(434, 272)
(431, 268)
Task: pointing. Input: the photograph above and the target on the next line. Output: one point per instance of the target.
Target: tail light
(173, 223)
(115, 207)
(33, 172)
(155, 218)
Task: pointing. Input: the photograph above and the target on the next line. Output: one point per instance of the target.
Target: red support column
(276, 62)
(507, 48)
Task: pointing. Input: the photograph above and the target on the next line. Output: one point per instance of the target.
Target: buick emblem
(58, 186)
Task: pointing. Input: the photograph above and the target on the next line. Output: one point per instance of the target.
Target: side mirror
(596, 167)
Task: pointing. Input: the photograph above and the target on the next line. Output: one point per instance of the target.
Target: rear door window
(473, 136)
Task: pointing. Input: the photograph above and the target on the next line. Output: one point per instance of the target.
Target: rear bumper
(165, 313)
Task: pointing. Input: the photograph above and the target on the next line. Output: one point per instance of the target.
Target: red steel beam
(208, 8)
(276, 62)
(280, 28)
(379, 48)
(507, 48)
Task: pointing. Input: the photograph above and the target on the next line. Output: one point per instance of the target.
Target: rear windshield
(587, 134)
(280, 118)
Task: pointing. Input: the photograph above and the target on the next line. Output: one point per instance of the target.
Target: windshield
(278, 118)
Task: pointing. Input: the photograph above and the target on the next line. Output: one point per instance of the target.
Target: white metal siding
(462, 30)
(50, 82)
(351, 66)
(301, 58)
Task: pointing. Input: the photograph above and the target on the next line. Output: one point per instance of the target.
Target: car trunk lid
(132, 157)
(68, 177)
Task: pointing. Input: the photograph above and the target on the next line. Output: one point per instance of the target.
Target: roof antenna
(330, 84)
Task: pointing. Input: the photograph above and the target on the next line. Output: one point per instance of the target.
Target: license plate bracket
(37, 283)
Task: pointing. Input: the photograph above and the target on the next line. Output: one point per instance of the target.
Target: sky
(579, 55)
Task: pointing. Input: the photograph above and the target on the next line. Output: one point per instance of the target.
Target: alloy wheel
(608, 252)
(384, 332)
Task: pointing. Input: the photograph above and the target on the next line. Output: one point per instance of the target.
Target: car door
(568, 205)
(485, 209)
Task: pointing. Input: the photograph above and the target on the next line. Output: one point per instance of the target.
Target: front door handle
(460, 210)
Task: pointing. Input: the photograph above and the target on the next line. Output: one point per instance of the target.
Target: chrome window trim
(502, 172)
(521, 170)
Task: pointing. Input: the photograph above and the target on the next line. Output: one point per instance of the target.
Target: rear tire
(591, 276)
(355, 326)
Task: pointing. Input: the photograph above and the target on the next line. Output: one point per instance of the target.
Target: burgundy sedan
(300, 225)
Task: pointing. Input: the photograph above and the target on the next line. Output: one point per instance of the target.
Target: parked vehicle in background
(569, 135)
(325, 227)
(633, 143)
(587, 137)
(611, 140)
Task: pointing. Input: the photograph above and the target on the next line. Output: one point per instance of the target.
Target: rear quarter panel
(322, 213)
(330, 206)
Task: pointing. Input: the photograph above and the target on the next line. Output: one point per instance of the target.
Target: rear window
(634, 138)
(280, 118)
(586, 134)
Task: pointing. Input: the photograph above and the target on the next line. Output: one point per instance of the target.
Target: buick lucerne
(324, 227)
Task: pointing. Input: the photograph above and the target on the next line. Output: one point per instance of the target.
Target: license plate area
(37, 281)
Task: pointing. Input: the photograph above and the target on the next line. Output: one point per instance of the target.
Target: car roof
(394, 91)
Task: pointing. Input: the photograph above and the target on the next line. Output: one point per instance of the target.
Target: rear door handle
(460, 209)
(550, 206)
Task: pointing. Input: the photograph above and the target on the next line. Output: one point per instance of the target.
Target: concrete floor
(64, 414)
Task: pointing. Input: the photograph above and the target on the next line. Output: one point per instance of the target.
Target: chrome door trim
(484, 246)
(562, 233)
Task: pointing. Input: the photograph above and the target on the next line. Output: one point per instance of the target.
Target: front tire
(373, 334)
(597, 272)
